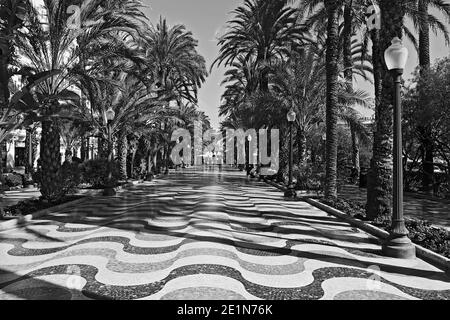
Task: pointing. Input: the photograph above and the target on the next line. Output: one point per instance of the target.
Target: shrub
(444, 189)
(435, 239)
(69, 177)
(350, 207)
(32, 205)
(13, 180)
(67, 180)
(309, 177)
(96, 172)
(140, 171)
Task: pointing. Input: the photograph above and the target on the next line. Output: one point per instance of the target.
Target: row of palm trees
(149, 75)
(306, 55)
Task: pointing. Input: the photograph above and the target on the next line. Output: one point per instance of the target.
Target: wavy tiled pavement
(204, 235)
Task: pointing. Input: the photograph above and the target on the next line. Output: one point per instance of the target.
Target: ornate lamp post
(398, 245)
(164, 126)
(109, 190)
(290, 192)
(29, 166)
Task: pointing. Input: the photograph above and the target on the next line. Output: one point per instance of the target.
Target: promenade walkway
(204, 235)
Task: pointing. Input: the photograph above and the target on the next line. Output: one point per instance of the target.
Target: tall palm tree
(332, 71)
(301, 83)
(12, 18)
(52, 44)
(172, 56)
(424, 22)
(263, 31)
(241, 83)
(179, 71)
(380, 187)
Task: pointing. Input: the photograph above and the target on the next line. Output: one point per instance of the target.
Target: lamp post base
(109, 192)
(399, 247)
(290, 193)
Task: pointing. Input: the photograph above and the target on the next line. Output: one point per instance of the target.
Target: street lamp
(109, 190)
(29, 167)
(398, 245)
(290, 192)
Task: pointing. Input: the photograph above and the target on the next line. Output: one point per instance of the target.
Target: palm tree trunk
(28, 144)
(377, 63)
(84, 149)
(355, 152)
(166, 159)
(301, 143)
(102, 148)
(122, 154)
(5, 59)
(149, 163)
(424, 62)
(332, 57)
(348, 75)
(133, 158)
(50, 160)
(424, 37)
(347, 47)
(427, 162)
(380, 193)
(2, 180)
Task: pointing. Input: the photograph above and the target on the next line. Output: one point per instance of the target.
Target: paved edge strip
(23, 220)
(427, 255)
(88, 195)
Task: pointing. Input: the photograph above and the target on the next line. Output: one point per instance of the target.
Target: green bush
(32, 205)
(67, 181)
(309, 177)
(350, 207)
(435, 239)
(13, 180)
(69, 177)
(140, 171)
(96, 172)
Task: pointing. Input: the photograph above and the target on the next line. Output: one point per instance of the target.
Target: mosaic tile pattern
(204, 235)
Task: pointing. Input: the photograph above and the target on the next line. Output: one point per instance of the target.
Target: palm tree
(300, 83)
(12, 16)
(332, 71)
(262, 31)
(51, 44)
(423, 22)
(179, 71)
(380, 185)
(241, 83)
(173, 58)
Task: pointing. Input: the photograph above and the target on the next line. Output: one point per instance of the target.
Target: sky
(207, 19)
